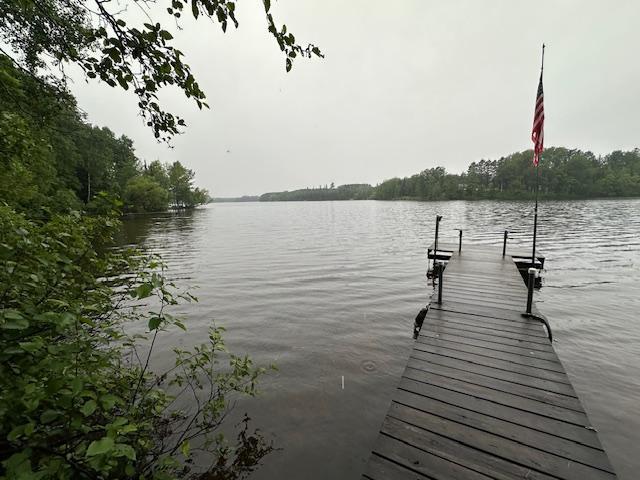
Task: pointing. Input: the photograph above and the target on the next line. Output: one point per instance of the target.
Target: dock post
(530, 284)
(460, 241)
(440, 272)
(504, 243)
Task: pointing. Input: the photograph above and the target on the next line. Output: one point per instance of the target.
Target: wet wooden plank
(490, 346)
(534, 327)
(506, 405)
(422, 462)
(533, 390)
(487, 332)
(496, 445)
(490, 422)
(518, 358)
(484, 394)
(380, 468)
(493, 373)
(456, 452)
(493, 363)
(489, 337)
(496, 325)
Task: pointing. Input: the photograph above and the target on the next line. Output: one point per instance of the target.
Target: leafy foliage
(92, 34)
(53, 161)
(143, 194)
(358, 191)
(79, 397)
(563, 173)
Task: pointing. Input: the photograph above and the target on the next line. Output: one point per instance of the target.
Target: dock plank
(518, 349)
(498, 446)
(506, 405)
(493, 363)
(491, 423)
(515, 358)
(484, 394)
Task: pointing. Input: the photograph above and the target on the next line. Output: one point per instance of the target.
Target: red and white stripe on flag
(537, 134)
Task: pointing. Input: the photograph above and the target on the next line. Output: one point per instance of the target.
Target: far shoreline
(423, 200)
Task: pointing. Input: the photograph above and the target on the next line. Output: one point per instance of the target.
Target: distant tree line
(563, 174)
(244, 198)
(53, 160)
(356, 191)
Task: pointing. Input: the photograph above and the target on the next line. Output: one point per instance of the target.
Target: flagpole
(535, 214)
(535, 222)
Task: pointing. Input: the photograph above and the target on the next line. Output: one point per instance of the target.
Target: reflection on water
(330, 290)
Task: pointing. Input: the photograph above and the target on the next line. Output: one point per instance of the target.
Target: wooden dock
(484, 395)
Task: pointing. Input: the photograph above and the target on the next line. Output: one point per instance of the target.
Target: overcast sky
(405, 85)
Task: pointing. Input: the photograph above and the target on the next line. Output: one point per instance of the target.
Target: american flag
(537, 134)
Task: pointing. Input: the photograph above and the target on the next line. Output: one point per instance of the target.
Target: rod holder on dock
(504, 243)
(440, 267)
(460, 240)
(530, 285)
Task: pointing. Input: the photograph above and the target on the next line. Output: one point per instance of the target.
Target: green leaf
(33, 346)
(108, 401)
(118, 422)
(12, 315)
(114, 54)
(49, 416)
(14, 320)
(18, 465)
(144, 290)
(67, 319)
(154, 323)
(89, 407)
(165, 35)
(124, 450)
(289, 64)
(185, 448)
(100, 447)
(267, 5)
(76, 385)
(25, 429)
(123, 83)
(194, 8)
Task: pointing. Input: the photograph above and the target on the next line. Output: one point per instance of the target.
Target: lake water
(329, 290)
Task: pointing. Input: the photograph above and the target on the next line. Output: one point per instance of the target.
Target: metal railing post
(504, 243)
(530, 284)
(440, 276)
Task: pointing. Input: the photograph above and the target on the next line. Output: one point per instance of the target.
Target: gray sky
(405, 85)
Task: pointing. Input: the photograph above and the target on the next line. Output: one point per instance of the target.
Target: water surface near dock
(330, 289)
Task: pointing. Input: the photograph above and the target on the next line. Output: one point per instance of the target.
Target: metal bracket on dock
(417, 324)
(543, 319)
(531, 281)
